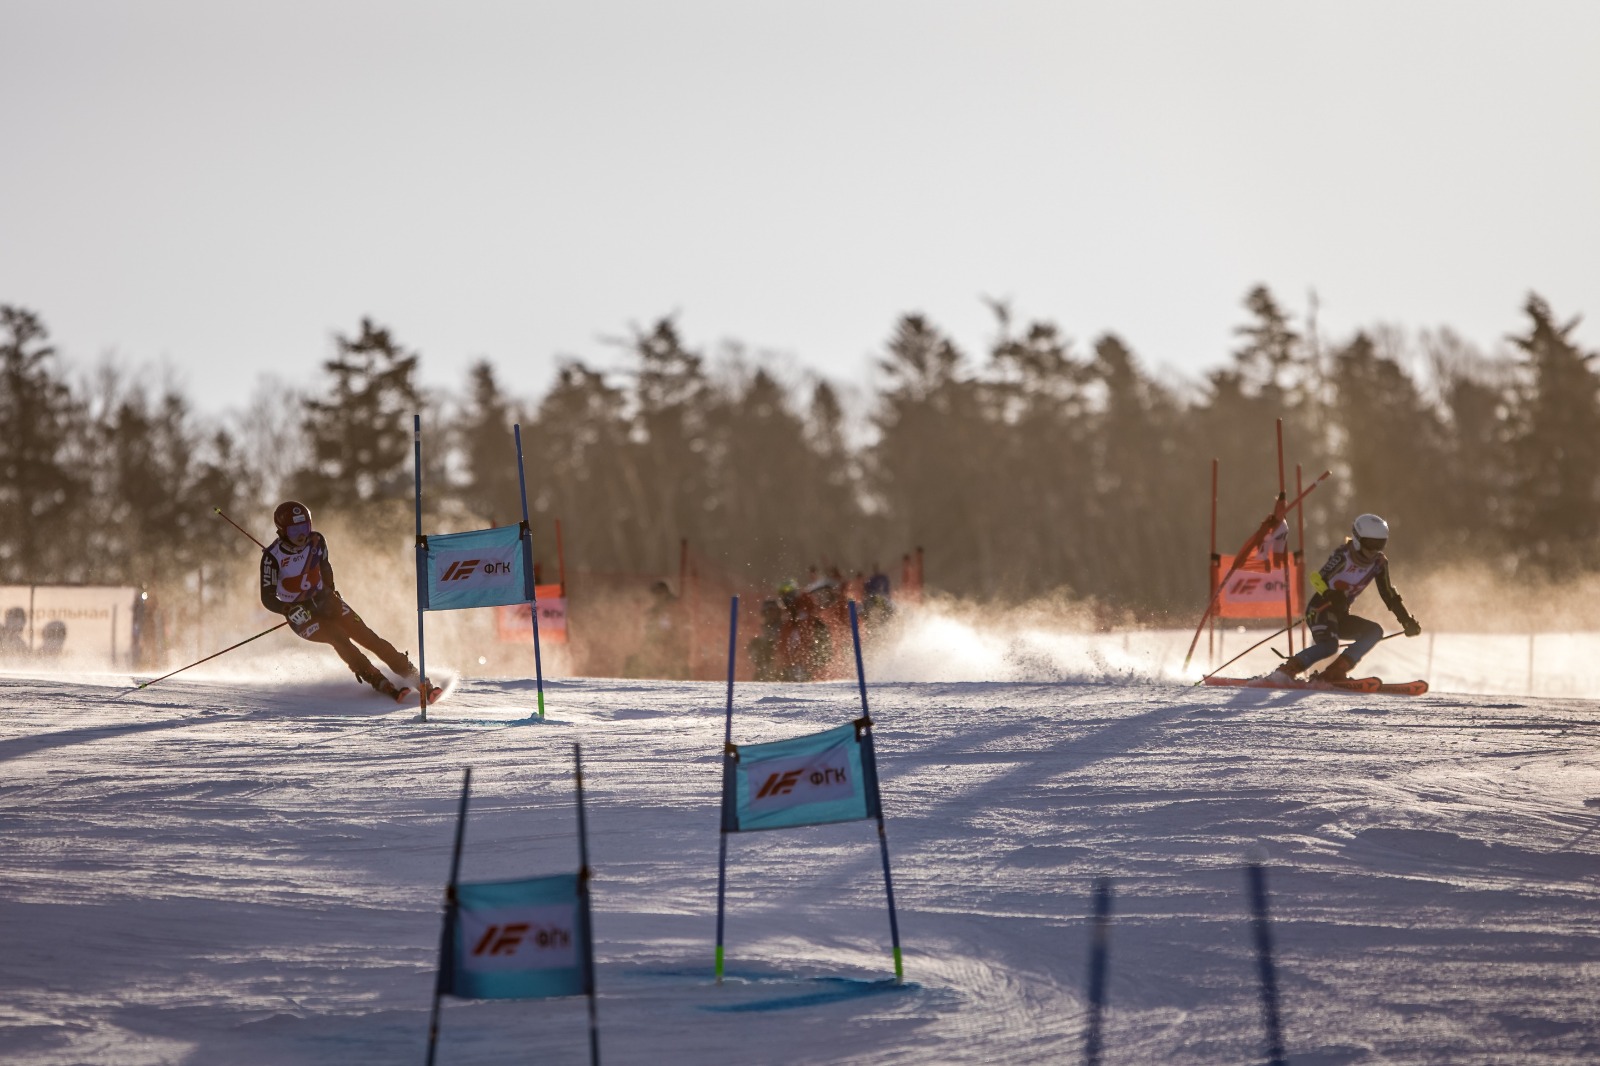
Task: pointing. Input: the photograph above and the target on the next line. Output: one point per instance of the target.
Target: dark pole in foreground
(449, 911)
(727, 753)
(422, 575)
(883, 832)
(1269, 980)
(585, 914)
(1098, 941)
(527, 531)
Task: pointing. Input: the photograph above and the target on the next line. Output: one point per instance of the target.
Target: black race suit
(298, 584)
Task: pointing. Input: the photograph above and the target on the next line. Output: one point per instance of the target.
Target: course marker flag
(478, 568)
(525, 939)
(811, 780)
(517, 940)
(481, 568)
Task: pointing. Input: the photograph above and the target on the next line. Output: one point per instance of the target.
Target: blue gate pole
(449, 909)
(1098, 954)
(422, 568)
(584, 912)
(533, 599)
(883, 833)
(1269, 980)
(727, 753)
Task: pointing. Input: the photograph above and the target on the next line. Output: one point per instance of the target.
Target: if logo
(501, 939)
(779, 784)
(459, 570)
(505, 939)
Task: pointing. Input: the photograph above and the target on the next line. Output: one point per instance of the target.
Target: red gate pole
(561, 561)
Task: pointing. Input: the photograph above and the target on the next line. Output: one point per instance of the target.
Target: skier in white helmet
(297, 582)
(1353, 566)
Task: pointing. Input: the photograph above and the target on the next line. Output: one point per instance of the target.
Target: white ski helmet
(1371, 533)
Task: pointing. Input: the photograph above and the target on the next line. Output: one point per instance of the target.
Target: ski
(1403, 688)
(1384, 688)
(1362, 684)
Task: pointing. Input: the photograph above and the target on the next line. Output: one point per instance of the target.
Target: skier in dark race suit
(1351, 568)
(297, 582)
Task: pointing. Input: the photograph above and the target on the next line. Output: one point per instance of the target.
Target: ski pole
(237, 526)
(207, 659)
(1346, 643)
(1258, 644)
(1247, 651)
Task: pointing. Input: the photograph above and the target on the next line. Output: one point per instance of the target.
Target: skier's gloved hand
(325, 602)
(1410, 626)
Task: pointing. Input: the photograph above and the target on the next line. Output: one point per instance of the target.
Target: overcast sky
(223, 186)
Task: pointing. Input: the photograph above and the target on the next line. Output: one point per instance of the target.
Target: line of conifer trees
(1038, 465)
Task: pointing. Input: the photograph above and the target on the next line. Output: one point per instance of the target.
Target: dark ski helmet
(293, 520)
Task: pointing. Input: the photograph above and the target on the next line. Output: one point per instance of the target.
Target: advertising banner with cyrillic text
(811, 780)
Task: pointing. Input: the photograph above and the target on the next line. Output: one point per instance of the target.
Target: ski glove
(1410, 626)
(325, 602)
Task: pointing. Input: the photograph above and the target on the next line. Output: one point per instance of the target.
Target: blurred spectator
(763, 647)
(804, 647)
(877, 606)
(149, 632)
(664, 653)
(13, 645)
(53, 640)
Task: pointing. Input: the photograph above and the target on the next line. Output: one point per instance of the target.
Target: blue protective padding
(517, 940)
(831, 990)
(810, 780)
(483, 568)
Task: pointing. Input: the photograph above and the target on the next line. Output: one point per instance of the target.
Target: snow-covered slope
(218, 870)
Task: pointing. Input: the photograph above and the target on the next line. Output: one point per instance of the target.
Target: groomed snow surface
(247, 867)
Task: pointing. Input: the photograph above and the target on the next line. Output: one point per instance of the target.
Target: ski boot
(1336, 671)
(1285, 672)
(384, 685)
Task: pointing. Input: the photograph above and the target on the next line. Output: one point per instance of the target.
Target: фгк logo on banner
(486, 565)
(519, 938)
(798, 779)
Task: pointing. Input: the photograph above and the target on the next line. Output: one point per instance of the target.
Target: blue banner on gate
(483, 568)
(517, 940)
(812, 780)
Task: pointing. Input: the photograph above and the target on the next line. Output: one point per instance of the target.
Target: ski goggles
(1373, 544)
(297, 532)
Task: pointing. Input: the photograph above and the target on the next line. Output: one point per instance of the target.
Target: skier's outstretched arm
(1392, 600)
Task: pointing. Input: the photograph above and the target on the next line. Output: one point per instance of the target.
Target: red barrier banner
(513, 623)
(1255, 590)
